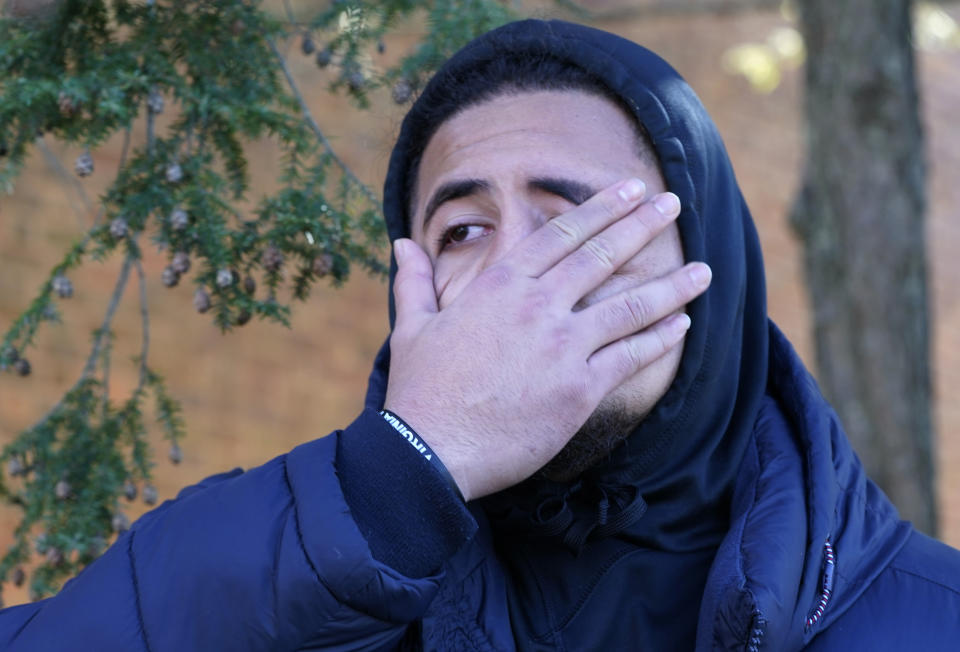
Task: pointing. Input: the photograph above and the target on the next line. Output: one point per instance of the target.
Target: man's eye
(461, 233)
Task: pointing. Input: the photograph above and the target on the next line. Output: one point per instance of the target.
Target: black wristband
(421, 447)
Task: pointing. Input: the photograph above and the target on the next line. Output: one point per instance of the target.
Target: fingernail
(399, 250)
(682, 322)
(632, 190)
(667, 203)
(700, 274)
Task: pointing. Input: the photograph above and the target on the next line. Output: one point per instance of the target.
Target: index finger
(565, 233)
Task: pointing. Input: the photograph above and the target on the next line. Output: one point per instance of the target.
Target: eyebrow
(451, 190)
(575, 192)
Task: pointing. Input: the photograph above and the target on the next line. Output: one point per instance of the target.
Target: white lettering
(406, 433)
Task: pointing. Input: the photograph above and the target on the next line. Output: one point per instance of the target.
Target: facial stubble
(606, 428)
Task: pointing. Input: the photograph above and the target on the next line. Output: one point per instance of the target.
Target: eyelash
(444, 240)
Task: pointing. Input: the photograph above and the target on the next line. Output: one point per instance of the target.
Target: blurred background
(262, 389)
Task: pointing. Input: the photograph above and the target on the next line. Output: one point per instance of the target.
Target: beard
(607, 427)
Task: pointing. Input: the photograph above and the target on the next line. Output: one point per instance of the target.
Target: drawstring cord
(616, 508)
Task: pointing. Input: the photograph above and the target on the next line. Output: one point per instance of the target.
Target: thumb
(413, 290)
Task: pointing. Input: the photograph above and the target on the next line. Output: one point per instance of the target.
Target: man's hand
(502, 378)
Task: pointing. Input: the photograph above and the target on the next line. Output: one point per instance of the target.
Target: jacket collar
(800, 486)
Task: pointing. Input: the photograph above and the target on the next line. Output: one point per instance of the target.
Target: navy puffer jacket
(736, 517)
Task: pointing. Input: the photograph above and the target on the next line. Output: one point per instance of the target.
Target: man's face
(497, 171)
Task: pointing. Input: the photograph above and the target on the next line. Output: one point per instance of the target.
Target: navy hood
(740, 484)
(681, 461)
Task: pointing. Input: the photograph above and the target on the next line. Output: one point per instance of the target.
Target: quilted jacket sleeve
(276, 558)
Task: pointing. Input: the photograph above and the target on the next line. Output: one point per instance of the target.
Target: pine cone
(181, 262)
(224, 278)
(306, 45)
(243, 317)
(83, 166)
(272, 259)
(96, 545)
(118, 228)
(201, 300)
(176, 454)
(174, 173)
(22, 367)
(9, 355)
(120, 523)
(54, 556)
(356, 81)
(169, 277)
(62, 490)
(149, 494)
(179, 220)
(323, 265)
(324, 57)
(402, 92)
(155, 102)
(18, 576)
(129, 489)
(381, 46)
(66, 104)
(249, 285)
(62, 286)
(15, 467)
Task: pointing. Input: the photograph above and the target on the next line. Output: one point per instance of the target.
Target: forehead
(540, 133)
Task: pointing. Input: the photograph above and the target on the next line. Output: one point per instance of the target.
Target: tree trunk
(860, 217)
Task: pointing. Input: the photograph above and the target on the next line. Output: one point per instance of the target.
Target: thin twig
(308, 118)
(118, 289)
(289, 9)
(145, 322)
(91, 363)
(150, 135)
(105, 363)
(54, 161)
(123, 161)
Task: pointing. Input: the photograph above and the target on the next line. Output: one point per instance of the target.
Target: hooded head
(683, 455)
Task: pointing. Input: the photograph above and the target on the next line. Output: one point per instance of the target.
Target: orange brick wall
(258, 392)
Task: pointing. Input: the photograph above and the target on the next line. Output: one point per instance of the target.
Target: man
(646, 463)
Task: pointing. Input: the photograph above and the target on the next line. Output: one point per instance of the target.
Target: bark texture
(860, 215)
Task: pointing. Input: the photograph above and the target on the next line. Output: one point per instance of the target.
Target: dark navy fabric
(739, 488)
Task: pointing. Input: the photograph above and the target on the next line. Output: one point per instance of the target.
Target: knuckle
(609, 205)
(496, 277)
(684, 288)
(640, 311)
(599, 250)
(401, 284)
(663, 342)
(534, 305)
(559, 341)
(644, 230)
(630, 361)
(568, 231)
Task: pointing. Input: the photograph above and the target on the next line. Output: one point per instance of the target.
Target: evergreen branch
(308, 117)
(91, 363)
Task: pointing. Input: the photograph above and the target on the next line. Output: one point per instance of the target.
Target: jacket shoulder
(913, 604)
